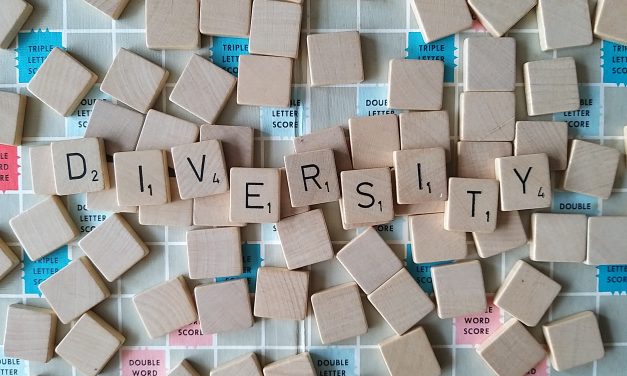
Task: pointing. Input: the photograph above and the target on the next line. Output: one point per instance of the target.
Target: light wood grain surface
(339, 313)
(141, 177)
(439, 19)
(312, 177)
(405, 354)
(333, 138)
(30, 333)
(487, 116)
(459, 289)
(255, 195)
(237, 143)
(112, 8)
(275, 28)
(305, 239)
(509, 234)
(264, 80)
(118, 126)
(200, 169)
(214, 253)
(171, 26)
(79, 166)
(472, 205)
(420, 175)
(591, 169)
(14, 15)
(548, 137)
(606, 241)
(416, 84)
(499, 16)
(246, 365)
(489, 64)
(564, 24)
(335, 58)
(231, 18)
(295, 365)
(373, 139)
(558, 237)
(551, 86)
(525, 182)
(12, 111)
(431, 242)
(281, 293)
(233, 312)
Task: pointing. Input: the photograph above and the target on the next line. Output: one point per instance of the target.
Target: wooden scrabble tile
(369, 260)
(30, 333)
(329, 138)
(305, 239)
(476, 159)
(42, 171)
(428, 129)
(264, 80)
(498, 16)
(113, 247)
(230, 18)
(459, 289)
(439, 20)
(165, 307)
(287, 210)
(200, 169)
(255, 195)
(417, 209)
(107, 200)
(558, 237)
(420, 175)
(312, 177)
(44, 227)
(275, 28)
(12, 110)
(489, 64)
(183, 369)
(405, 354)
(118, 126)
(339, 313)
(62, 82)
(606, 237)
(574, 340)
(90, 344)
(172, 28)
(509, 234)
(14, 15)
(8, 260)
(524, 181)
(548, 137)
(135, 81)
(373, 139)
(335, 58)
(176, 213)
(203, 89)
(80, 166)
(141, 177)
(233, 311)
(295, 365)
(551, 86)
(472, 205)
(415, 84)
(281, 293)
(401, 302)
(367, 196)
(214, 211)
(246, 365)
(112, 8)
(487, 116)
(526, 293)
(564, 23)
(237, 143)
(74, 290)
(214, 253)
(608, 21)
(591, 169)
(511, 350)
(432, 243)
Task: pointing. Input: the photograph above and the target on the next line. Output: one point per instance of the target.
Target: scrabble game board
(388, 30)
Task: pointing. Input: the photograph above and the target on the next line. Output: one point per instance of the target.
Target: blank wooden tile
(14, 15)
(165, 307)
(305, 239)
(511, 350)
(487, 116)
(176, 213)
(214, 253)
(401, 302)
(489, 64)
(275, 28)
(203, 89)
(369, 260)
(172, 28)
(12, 111)
(498, 16)
(30, 333)
(476, 159)
(80, 166)
(312, 177)
(526, 293)
(255, 195)
(90, 344)
(339, 313)
(439, 20)
(420, 175)
(373, 140)
(118, 126)
(135, 81)
(591, 169)
(112, 8)
(564, 23)
(107, 200)
(472, 205)
(432, 243)
(548, 137)
(237, 143)
(287, 210)
(183, 369)
(405, 354)
(113, 247)
(551, 86)
(281, 294)
(74, 290)
(459, 289)
(509, 234)
(295, 365)
(428, 129)
(606, 240)
(142, 177)
(608, 22)
(415, 84)
(44, 227)
(367, 196)
(214, 211)
(200, 169)
(264, 80)
(416, 209)
(8, 259)
(558, 237)
(233, 312)
(230, 18)
(335, 58)
(574, 340)
(524, 181)
(332, 138)
(62, 82)
(245, 365)
(42, 170)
